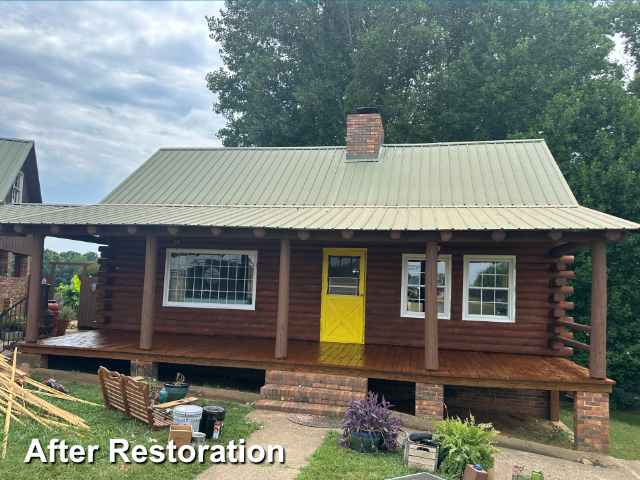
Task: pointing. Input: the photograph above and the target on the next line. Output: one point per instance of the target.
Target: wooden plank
(554, 405)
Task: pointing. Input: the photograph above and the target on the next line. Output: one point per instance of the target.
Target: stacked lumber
(20, 397)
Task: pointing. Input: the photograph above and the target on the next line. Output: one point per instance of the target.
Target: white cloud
(100, 86)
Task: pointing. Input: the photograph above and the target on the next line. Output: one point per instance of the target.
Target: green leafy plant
(462, 443)
(13, 324)
(67, 313)
(70, 293)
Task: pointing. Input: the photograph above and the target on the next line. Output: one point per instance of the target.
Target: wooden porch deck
(370, 361)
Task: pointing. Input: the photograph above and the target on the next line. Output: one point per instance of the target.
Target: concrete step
(315, 380)
(320, 396)
(304, 408)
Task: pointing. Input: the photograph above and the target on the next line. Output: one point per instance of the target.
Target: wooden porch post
(149, 293)
(431, 307)
(598, 337)
(282, 331)
(35, 280)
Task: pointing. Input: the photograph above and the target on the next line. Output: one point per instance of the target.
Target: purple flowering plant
(369, 418)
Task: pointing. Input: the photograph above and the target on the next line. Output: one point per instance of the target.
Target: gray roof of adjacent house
(14, 153)
(514, 172)
(509, 185)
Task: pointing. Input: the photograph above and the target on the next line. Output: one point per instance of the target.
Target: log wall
(122, 269)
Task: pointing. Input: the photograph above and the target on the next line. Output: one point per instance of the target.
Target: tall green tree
(64, 273)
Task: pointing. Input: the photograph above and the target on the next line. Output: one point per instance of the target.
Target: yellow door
(343, 293)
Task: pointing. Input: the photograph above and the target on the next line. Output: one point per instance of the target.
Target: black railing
(13, 323)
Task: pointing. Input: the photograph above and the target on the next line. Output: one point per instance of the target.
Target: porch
(456, 367)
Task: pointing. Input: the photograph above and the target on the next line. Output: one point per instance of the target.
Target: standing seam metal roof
(514, 172)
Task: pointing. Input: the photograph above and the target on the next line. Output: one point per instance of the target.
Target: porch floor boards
(456, 367)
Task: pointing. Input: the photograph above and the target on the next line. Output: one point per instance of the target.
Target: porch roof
(369, 218)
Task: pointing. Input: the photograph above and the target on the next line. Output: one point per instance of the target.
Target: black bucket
(210, 415)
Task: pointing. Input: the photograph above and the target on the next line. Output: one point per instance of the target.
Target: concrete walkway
(557, 469)
(299, 443)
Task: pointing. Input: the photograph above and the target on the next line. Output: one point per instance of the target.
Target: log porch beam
(282, 325)
(148, 293)
(35, 282)
(598, 336)
(431, 307)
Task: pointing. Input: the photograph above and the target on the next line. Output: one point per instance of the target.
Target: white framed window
(489, 288)
(413, 286)
(201, 278)
(16, 191)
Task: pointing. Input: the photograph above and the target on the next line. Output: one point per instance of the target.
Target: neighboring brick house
(19, 183)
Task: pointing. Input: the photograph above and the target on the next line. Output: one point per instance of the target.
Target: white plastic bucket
(187, 415)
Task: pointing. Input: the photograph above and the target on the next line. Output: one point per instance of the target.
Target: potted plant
(175, 390)
(65, 315)
(13, 329)
(369, 426)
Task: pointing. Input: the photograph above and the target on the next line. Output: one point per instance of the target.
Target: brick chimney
(364, 133)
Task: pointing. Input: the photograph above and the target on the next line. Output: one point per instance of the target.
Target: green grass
(624, 431)
(333, 461)
(105, 425)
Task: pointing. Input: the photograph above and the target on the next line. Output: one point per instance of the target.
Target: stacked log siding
(122, 269)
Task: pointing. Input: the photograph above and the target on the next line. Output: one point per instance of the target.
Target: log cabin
(441, 265)
(19, 183)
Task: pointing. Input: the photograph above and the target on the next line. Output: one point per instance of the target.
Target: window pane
(415, 306)
(502, 281)
(487, 309)
(488, 296)
(474, 308)
(502, 268)
(502, 296)
(502, 309)
(488, 280)
(475, 294)
(440, 307)
(475, 274)
(488, 268)
(209, 278)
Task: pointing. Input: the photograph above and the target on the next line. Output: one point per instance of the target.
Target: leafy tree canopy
(64, 273)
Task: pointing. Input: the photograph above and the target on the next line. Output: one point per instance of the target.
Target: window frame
(446, 258)
(17, 191)
(227, 306)
(511, 259)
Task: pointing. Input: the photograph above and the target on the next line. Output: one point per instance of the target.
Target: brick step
(304, 408)
(321, 396)
(315, 380)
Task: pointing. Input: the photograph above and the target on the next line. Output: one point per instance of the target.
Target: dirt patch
(520, 426)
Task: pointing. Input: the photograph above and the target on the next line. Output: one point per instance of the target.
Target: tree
(438, 71)
(64, 273)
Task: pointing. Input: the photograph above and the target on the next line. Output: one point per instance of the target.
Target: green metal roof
(558, 217)
(514, 172)
(13, 154)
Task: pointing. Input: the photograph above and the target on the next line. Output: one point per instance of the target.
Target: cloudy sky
(101, 86)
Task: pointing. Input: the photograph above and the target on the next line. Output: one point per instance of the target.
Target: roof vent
(364, 134)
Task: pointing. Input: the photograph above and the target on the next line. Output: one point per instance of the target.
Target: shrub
(373, 418)
(67, 313)
(70, 293)
(462, 443)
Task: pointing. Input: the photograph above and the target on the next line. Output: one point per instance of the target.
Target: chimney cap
(364, 110)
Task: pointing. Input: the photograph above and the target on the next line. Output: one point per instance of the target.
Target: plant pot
(367, 441)
(61, 328)
(11, 337)
(176, 392)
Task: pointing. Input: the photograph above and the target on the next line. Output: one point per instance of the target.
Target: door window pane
(344, 275)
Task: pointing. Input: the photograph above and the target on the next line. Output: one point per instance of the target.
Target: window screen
(344, 276)
(212, 278)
